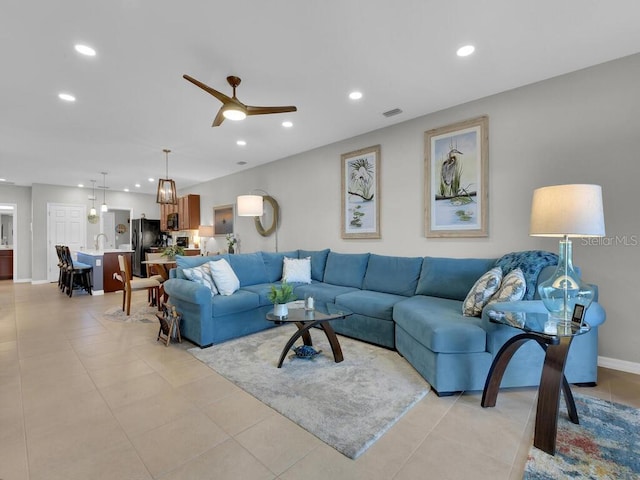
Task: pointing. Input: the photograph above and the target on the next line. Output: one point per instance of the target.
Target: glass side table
(555, 340)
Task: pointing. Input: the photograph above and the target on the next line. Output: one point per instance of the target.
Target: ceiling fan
(232, 108)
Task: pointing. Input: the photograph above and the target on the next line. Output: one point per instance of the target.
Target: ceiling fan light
(234, 113)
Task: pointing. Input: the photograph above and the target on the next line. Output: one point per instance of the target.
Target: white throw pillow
(224, 277)
(481, 292)
(512, 287)
(202, 275)
(296, 270)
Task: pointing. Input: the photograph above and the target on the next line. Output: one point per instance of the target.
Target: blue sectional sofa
(410, 304)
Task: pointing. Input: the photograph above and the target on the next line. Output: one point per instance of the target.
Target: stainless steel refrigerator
(145, 233)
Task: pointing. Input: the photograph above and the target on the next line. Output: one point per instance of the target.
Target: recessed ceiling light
(126, 189)
(151, 179)
(80, 185)
(465, 51)
(67, 97)
(85, 50)
(241, 143)
(3, 179)
(287, 124)
(137, 185)
(355, 95)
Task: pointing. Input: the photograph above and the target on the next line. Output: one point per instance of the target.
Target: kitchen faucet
(106, 239)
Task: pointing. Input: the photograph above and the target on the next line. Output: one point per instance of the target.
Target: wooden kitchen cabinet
(188, 210)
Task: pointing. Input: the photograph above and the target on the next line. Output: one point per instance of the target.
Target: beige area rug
(140, 312)
(348, 405)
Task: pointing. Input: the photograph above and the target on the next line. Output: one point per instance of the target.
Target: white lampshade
(567, 210)
(205, 230)
(250, 205)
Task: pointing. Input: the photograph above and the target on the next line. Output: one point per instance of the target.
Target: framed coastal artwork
(456, 177)
(361, 193)
(222, 220)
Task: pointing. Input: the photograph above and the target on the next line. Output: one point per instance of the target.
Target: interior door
(67, 225)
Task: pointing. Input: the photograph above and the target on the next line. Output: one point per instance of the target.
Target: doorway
(116, 225)
(8, 241)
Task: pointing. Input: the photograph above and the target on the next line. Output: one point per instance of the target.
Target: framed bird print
(456, 165)
(361, 193)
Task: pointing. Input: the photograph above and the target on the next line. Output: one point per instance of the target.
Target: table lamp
(566, 211)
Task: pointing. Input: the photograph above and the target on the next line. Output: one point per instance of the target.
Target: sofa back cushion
(397, 275)
(531, 262)
(346, 269)
(191, 262)
(249, 268)
(318, 262)
(273, 263)
(451, 277)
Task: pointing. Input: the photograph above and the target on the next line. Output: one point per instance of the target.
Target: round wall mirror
(271, 216)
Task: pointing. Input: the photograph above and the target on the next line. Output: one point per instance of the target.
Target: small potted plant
(231, 242)
(280, 296)
(172, 251)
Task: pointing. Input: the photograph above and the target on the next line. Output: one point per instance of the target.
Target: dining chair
(130, 285)
(154, 272)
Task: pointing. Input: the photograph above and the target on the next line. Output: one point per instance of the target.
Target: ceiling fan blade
(266, 110)
(219, 118)
(219, 95)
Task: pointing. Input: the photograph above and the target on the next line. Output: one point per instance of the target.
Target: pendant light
(166, 186)
(93, 212)
(104, 207)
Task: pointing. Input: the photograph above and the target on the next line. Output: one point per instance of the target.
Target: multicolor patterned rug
(606, 444)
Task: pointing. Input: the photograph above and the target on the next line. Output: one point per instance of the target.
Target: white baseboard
(621, 365)
(97, 292)
(40, 282)
(21, 280)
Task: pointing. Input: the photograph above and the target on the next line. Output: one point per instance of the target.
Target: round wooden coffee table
(321, 316)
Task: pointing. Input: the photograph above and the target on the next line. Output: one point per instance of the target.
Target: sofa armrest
(188, 291)
(594, 316)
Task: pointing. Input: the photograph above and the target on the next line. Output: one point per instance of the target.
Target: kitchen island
(105, 264)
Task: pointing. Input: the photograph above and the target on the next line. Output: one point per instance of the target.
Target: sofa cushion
(262, 290)
(438, 324)
(273, 263)
(451, 277)
(481, 292)
(531, 262)
(318, 262)
(249, 268)
(397, 275)
(369, 303)
(201, 275)
(323, 292)
(240, 301)
(511, 288)
(224, 277)
(296, 270)
(196, 260)
(346, 269)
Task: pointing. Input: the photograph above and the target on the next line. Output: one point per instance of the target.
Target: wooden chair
(153, 272)
(77, 274)
(130, 285)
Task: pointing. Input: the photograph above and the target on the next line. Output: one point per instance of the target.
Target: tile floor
(86, 398)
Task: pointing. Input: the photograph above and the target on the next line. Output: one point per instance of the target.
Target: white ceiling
(132, 100)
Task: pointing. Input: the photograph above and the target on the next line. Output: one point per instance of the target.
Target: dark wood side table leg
(551, 381)
(333, 341)
(306, 336)
(499, 365)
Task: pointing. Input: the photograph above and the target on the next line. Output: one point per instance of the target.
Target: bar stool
(77, 273)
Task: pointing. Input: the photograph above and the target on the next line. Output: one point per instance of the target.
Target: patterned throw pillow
(481, 292)
(201, 275)
(531, 263)
(224, 277)
(512, 287)
(296, 270)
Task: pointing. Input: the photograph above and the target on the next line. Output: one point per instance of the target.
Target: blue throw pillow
(531, 262)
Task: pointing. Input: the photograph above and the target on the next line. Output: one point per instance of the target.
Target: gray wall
(579, 128)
